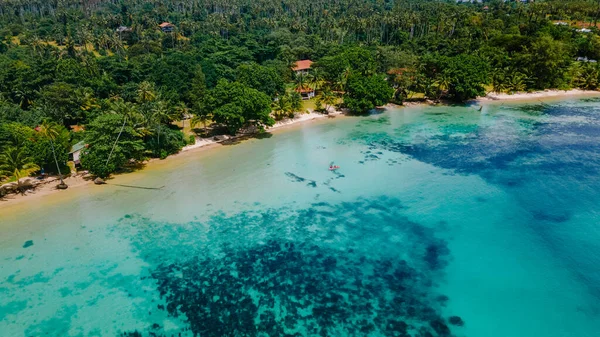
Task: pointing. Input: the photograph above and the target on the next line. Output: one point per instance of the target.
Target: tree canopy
(237, 105)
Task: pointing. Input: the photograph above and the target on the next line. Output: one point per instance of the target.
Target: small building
(167, 27)
(123, 29)
(75, 153)
(77, 128)
(585, 59)
(584, 30)
(302, 67)
(306, 92)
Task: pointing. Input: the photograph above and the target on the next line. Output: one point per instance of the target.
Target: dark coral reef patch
(355, 268)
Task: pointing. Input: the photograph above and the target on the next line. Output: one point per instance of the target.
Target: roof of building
(304, 90)
(397, 71)
(585, 59)
(77, 147)
(77, 128)
(166, 24)
(302, 65)
(122, 29)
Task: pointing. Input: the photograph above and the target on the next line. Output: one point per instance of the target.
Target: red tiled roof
(302, 65)
(166, 24)
(304, 90)
(76, 128)
(397, 71)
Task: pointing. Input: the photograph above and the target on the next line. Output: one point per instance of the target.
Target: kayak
(333, 168)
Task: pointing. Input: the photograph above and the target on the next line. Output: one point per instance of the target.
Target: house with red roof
(302, 67)
(306, 92)
(166, 27)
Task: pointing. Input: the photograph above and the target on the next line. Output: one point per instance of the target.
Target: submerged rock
(28, 243)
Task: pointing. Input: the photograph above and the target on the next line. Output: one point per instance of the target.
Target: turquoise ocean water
(441, 221)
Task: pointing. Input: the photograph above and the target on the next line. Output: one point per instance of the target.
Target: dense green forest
(103, 72)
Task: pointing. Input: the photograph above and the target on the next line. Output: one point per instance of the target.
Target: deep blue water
(442, 221)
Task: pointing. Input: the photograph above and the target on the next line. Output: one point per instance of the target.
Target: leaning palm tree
(50, 131)
(129, 112)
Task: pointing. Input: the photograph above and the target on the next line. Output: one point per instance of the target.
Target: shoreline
(282, 124)
(78, 181)
(493, 97)
(518, 96)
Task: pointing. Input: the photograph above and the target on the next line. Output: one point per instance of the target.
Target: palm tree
(16, 163)
(301, 81)
(50, 130)
(340, 85)
(328, 98)
(146, 92)
(182, 111)
(86, 98)
(517, 82)
(160, 115)
(201, 117)
(312, 81)
(499, 80)
(443, 84)
(281, 107)
(295, 101)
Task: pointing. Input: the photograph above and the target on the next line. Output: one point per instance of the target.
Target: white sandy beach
(492, 96)
(300, 118)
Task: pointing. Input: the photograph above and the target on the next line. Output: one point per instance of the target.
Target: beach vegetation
(364, 93)
(16, 163)
(237, 105)
(113, 142)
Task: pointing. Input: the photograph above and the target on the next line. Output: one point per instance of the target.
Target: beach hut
(75, 153)
(302, 67)
(166, 27)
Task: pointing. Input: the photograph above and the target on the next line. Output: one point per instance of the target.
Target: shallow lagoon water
(436, 212)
